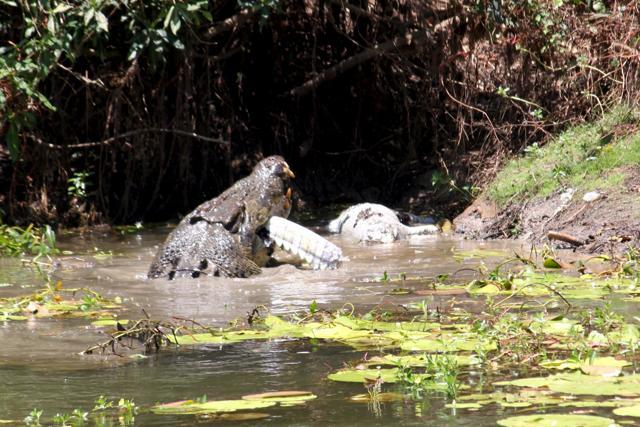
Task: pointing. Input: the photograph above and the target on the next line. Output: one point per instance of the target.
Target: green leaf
(167, 19)
(360, 375)
(175, 24)
(189, 407)
(61, 8)
(596, 366)
(134, 52)
(551, 263)
(177, 43)
(313, 307)
(102, 21)
(285, 398)
(579, 384)
(88, 16)
(629, 411)
(43, 99)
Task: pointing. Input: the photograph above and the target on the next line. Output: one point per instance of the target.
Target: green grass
(16, 241)
(585, 157)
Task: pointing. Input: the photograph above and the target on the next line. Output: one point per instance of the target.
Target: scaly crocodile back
(297, 240)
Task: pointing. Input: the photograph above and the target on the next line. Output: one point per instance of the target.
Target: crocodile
(218, 237)
(375, 223)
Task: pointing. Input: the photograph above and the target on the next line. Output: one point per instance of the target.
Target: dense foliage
(127, 110)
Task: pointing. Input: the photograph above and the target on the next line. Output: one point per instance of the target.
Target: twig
(128, 134)
(148, 332)
(357, 59)
(85, 80)
(229, 24)
(575, 215)
(471, 107)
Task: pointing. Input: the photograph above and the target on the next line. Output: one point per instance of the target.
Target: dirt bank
(611, 222)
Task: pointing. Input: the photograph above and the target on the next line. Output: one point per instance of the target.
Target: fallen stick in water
(555, 235)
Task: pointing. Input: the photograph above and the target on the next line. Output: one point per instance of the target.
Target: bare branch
(108, 141)
(229, 24)
(355, 60)
(411, 39)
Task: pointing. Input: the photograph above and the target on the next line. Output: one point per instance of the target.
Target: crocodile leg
(297, 240)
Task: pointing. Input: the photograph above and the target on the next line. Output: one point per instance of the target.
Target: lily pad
(601, 371)
(556, 420)
(377, 397)
(532, 283)
(483, 287)
(109, 322)
(222, 337)
(374, 325)
(599, 366)
(463, 405)
(560, 326)
(515, 404)
(629, 411)
(418, 360)
(190, 407)
(4, 317)
(617, 403)
(289, 397)
(362, 375)
(444, 343)
(580, 384)
(522, 399)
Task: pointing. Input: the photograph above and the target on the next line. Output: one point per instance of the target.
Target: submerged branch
(150, 333)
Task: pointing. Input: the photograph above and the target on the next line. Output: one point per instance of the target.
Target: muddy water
(40, 367)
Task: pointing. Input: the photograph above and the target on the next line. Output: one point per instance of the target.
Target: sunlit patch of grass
(585, 157)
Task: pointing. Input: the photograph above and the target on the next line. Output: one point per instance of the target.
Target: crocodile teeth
(314, 249)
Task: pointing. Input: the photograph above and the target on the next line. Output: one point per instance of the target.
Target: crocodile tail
(297, 240)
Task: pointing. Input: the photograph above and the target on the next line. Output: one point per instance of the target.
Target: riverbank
(584, 184)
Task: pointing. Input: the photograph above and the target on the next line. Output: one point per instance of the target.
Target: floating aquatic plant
(556, 420)
(249, 402)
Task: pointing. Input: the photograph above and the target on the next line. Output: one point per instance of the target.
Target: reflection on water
(40, 367)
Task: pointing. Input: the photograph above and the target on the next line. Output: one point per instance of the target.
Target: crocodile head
(270, 196)
(274, 166)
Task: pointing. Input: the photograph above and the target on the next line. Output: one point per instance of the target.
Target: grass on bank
(585, 157)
